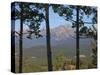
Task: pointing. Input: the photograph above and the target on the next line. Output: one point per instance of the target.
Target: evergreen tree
(31, 18)
(76, 15)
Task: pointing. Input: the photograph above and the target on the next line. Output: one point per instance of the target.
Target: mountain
(61, 38)
(60, 33)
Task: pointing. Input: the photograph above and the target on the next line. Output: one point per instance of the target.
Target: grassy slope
(40, 65)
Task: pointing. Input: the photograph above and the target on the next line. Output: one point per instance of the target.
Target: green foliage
(63, 11)
(69, 14)
(93, 34)
(58, 61)
(94, 54)
(84, 30)
(32, 65)
(32, 16)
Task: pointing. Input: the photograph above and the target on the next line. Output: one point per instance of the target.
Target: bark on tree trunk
(77, 39)
(21, 42)
(49, 54)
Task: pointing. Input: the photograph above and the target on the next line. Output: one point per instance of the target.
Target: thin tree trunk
(21, 42)
(77, 39)
(49, 54)
(13, 42)
(12, 52)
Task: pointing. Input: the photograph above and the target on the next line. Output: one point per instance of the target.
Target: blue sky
(54, 19)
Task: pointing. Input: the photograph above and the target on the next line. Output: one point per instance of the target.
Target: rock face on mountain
(60, 33)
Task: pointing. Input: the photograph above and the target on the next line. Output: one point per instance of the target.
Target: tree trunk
(12, 50)
(12, 41)
(21, 42)
(77, 39)
(49, 54)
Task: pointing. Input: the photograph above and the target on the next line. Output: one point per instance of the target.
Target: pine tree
(75, 14)
(28, 17)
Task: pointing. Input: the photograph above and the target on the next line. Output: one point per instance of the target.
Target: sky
(54, 19)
